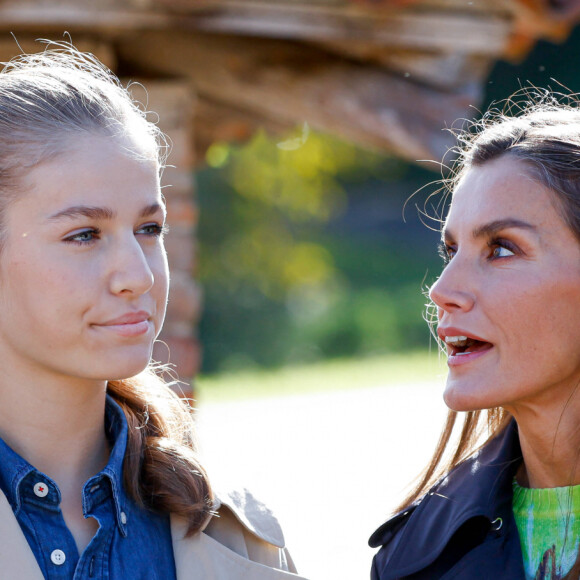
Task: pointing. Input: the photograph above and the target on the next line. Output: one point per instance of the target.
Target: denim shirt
(131, 542)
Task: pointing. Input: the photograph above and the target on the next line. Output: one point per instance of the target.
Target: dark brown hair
(541, 130)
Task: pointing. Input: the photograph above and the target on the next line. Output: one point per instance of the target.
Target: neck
(56, 424)
(550, 442)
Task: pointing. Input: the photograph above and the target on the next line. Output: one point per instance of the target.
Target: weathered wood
(491, 27)
(437, 25)
(447, 71)
(428, 28)
(102, 16)
(332, 6)
(436, 31)
(365, 104)
(11, 47)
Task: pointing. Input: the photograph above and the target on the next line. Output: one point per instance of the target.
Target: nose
(453, 291)
(131, 273)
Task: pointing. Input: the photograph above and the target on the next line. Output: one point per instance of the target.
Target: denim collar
(18, 477)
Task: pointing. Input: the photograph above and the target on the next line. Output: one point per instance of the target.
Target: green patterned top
(548, 522)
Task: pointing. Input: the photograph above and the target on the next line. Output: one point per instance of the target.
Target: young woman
(99, 476)
(508, 305)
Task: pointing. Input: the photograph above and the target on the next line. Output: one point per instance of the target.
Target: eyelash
(158, 232)
(158, 229)
(444, 250)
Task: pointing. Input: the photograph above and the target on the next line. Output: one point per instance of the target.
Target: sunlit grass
(340, 374)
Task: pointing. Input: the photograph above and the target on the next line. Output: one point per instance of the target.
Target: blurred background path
(332, 465)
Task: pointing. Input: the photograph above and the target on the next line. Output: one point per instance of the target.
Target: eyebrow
(100, 213)
(492, 228)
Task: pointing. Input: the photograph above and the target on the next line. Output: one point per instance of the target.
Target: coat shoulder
(246, 526)
(250, 513)
(242, 539)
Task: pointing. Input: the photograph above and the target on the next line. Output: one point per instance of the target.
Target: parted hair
(46, 100)
(540, 129)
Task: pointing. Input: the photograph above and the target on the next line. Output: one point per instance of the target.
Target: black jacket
(463, 528)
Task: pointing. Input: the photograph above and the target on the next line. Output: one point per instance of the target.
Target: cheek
(40, 285)
(560, 315)
(542, 319)
(160, 271)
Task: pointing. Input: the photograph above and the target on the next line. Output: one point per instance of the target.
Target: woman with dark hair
(99, 475)
(502, 500)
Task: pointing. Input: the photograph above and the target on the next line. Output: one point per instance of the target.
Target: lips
(129, 318)
(462, 344)
(128, 325)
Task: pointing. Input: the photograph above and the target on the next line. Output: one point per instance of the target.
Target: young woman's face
(512, 287)
(83, 270)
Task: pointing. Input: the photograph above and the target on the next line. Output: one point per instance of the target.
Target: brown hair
(542, 130)
(45, 100)
(161, 469)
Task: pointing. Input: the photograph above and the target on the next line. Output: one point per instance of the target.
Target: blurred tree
(305, 253)
(288, 275)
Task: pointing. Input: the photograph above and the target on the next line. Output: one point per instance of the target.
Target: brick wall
(178, 344)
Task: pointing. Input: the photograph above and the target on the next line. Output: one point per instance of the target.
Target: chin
(124, 369)
(463, 400)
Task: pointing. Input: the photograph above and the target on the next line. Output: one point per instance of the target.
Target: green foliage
(281, 286)
(285, 280)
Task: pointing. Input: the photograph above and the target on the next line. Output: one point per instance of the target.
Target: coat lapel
(16, 558)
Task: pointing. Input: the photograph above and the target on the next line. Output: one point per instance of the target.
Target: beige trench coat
(244, 542)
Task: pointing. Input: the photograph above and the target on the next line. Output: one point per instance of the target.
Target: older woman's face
(509, 298)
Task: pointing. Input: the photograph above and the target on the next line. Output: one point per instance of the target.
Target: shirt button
(58, 557)
(40, 489)
(123, 518)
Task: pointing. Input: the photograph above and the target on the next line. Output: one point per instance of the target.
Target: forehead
(95, 171)
(498, 189)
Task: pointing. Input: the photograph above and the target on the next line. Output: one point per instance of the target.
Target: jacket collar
(480, 486)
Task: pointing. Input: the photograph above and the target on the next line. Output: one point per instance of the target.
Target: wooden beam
(375, 7)
(365, 104)
(9, 48)
(447, 71)
(95, 16)
(435, 30)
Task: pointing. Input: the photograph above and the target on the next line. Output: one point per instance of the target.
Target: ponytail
(162, 471)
